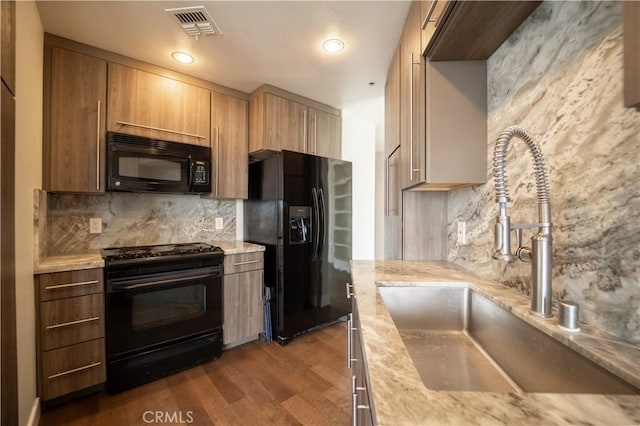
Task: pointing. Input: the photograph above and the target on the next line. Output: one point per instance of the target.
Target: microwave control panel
(201, 173)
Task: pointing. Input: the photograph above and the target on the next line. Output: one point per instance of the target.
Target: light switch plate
(219, 223)
(95, 225)
(462, 233)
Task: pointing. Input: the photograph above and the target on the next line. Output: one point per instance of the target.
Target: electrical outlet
(95, 225)
(462, 233)
(219, 223)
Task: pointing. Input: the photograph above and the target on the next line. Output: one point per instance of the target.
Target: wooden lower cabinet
(243, 305)
(362, 413)
(70, 338)
(72, 368)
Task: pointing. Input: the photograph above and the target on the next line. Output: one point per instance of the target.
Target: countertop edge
(75, 262)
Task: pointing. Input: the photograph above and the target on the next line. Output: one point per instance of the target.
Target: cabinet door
(75, 100)
(72, 368)
(243, 309)
(455, 152)
(285, 124)
(360, 387)
(150, 105)
(392, 105)
(229, 119)
(72, 320)
(324, 134)
(410, 97)
(393, 210)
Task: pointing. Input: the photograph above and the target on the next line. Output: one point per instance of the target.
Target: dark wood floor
(305, 382)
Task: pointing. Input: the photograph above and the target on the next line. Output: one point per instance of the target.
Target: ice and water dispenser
(299, 225)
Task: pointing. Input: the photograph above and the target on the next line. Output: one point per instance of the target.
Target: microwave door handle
(190, 171)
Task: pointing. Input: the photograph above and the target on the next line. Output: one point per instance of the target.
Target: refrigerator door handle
(316, 213)
(323, 220)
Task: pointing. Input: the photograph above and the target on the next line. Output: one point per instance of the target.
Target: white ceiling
(274, 42)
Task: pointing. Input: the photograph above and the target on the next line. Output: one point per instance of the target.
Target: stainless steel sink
(461, 341)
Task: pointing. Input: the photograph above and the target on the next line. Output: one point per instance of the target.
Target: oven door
(151, 310)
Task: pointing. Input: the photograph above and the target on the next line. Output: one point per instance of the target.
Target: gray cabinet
(243, 315)
(453, 151)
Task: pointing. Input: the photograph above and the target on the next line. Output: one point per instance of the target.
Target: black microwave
(139, 164)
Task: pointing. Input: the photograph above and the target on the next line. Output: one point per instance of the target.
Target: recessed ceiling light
(182, 57)
(333, 45)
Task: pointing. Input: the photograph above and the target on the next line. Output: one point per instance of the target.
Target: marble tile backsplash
(560, 76)
(134, 219)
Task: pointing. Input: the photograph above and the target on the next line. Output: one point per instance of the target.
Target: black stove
(119, 254)
(163, 310)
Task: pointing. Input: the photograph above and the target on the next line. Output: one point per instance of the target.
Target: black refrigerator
(299, 208)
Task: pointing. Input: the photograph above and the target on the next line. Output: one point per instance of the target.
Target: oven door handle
(120, 287)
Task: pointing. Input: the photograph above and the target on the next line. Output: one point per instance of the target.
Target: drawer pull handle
(160, 129)
(75, 370)
(67, 324)
(56, 287)
(248, 262)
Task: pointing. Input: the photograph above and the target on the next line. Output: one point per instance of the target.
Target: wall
(560, 77)
(358, 146)
(29, 47)
(135, 219)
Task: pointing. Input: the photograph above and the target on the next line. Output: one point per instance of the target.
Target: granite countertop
(238, 247)
(71, 262)
(398, 395)
(74, 262)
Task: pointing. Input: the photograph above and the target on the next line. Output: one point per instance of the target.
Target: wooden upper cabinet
(230, 146)
(280, 120)
(470, 30)
(74, 122)
(392, 105)
(631, 31)
(431, 15)
(454, 150)
(411, 97)
(150, 105)
(324, 134)
(8, 44)
(285, 124)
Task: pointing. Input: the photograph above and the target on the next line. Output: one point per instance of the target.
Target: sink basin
(461, 341)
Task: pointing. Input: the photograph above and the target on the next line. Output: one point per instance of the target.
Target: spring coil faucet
(539, 255)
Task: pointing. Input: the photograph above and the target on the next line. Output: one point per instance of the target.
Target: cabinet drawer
(73, 320)
(234, 263)
(73, 368)
(59, 285)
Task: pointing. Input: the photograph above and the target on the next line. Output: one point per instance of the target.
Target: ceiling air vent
(195, 21)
